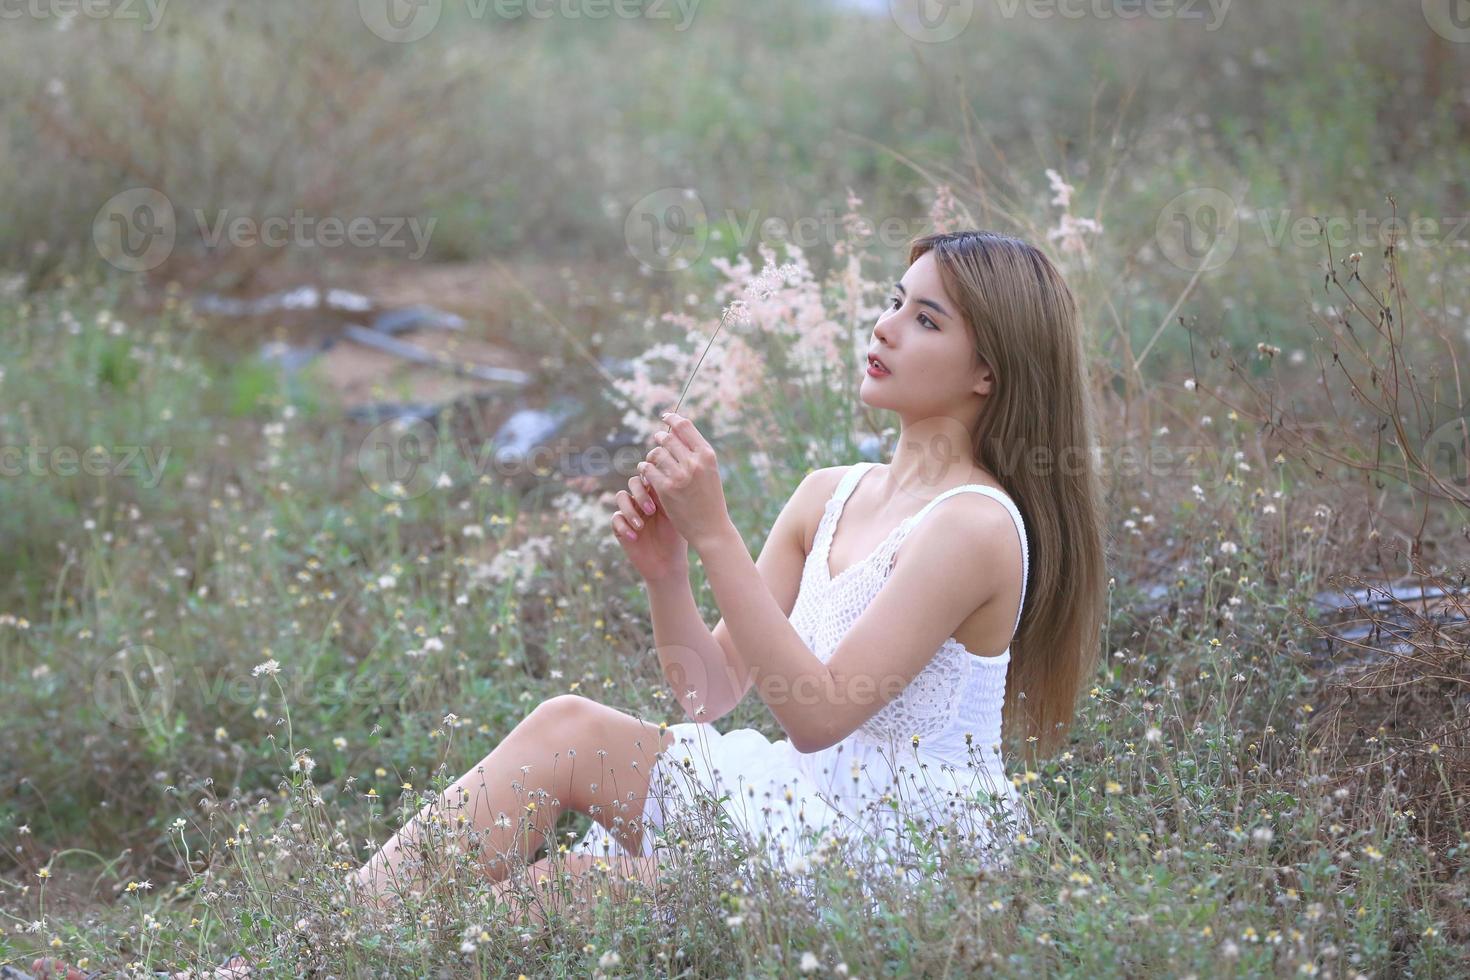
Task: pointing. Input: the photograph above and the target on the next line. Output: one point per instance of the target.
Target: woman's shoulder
(822, 483)
(827, 477)
(809, 500)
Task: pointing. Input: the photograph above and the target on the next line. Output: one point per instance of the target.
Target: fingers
(649, 468)
(687, 433)
(660, 459)
(628, 509)
(671, 444)
(642, 498)
(623, 525)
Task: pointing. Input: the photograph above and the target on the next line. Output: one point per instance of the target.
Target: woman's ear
(984, 379)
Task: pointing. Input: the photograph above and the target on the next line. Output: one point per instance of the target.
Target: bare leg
(569, 752)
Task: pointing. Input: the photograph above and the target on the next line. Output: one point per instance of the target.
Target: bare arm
(938, 579)
(706, 661)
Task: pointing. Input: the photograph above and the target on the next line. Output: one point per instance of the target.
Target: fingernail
(638, 523)
(632, 536)
(648, 506)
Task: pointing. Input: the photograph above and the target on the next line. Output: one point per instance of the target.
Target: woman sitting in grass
(888, 655)
(876, 658)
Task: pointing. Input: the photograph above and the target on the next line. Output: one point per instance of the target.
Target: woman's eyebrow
(925, 302)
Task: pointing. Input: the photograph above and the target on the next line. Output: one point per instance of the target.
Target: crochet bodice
(957, 693)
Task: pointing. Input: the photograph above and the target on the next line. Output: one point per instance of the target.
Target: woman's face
(927, 349)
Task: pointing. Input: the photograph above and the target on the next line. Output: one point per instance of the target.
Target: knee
(564, 710)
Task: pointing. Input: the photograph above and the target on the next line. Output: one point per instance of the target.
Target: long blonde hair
(1036, 435)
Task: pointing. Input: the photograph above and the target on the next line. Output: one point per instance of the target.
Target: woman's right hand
(650, 540)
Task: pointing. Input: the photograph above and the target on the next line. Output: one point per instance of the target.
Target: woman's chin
(867, 392)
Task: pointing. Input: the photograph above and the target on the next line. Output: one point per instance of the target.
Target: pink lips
(876, 369)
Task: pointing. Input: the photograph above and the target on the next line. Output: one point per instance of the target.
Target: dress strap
(1015, 513)
(850, 480)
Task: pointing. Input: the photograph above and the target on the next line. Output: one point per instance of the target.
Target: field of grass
(1254, 785)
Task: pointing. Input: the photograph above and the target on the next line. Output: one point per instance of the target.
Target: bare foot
(50, 968)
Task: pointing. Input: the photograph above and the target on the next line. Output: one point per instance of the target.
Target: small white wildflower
(809, 962)
(444, 482)
(271, 667)
(386, 582)
(1188, 384)
(1153, 735)
(1228, 547)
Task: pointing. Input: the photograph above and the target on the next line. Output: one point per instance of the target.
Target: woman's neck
(932, 456)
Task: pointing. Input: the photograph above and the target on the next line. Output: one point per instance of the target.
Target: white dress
(795, 805)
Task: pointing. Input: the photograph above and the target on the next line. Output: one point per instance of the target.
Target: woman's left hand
(683, 470)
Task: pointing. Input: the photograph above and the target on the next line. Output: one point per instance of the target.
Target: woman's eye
(893, 304)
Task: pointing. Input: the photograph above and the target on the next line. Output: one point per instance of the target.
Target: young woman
(888, 653)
